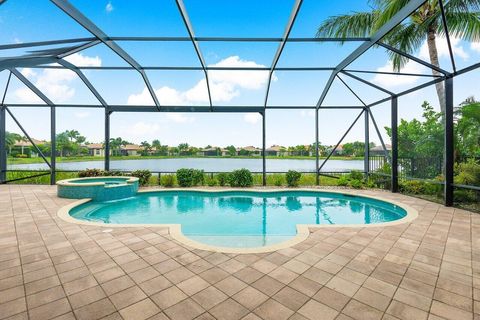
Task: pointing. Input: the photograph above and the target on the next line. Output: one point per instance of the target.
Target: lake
(207, 164)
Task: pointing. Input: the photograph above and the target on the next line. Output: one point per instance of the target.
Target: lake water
(207, 164)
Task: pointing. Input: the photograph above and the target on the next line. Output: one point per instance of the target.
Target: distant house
(250, 150)
(131, 150)
(276, 151)
(27, 147)
(378, 150)
(338, 152)
(210, 152)
(96, 149)
(226, 152)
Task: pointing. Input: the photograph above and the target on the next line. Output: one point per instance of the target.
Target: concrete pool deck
(428, 268)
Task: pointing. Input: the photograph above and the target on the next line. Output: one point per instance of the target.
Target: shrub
(185, 177)
(21, 155)
(277, 180)
(356, 175)
(222, 178)
(353, 180)
(293, 178)
(412, 186)
(241, 178)
(190, 177)
(198, 177)
(356, 184)
(168, 180)
(143, 176)
(91, 173)
(211, 181)
(113, 173)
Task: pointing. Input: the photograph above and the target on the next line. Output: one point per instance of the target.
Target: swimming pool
(240, 219)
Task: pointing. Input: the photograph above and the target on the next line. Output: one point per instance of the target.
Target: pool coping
(68, 182)
(303, 230)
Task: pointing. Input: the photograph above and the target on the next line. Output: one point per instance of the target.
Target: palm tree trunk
(433, 53)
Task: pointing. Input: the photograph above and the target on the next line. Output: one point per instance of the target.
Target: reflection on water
(207, 164)
(240, 218)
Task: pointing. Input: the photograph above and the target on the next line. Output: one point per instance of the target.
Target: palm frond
(462, 5)
(463, 25)
(356, 24)
(407, 38)
(388, 8)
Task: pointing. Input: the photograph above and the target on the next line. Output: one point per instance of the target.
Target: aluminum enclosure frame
(46, 60)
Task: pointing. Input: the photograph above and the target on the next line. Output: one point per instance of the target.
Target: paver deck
(49, 268)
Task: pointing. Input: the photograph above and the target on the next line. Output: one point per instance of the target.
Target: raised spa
(240, 219)
(98, 188)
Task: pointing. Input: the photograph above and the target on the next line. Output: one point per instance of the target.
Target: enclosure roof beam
(26, 61)
(176, 39)
(81, 19)
(172, 108)
(188, 25)
(413, 58)
(32, 87)
(84, 79)
(367, 83)
(281, 46)
(192, 68)
(393, 73)
(401, 15)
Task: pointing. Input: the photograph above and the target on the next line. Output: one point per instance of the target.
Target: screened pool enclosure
(53, 54)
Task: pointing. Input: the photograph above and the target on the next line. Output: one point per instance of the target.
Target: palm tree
(156, 145)
(425, 24)
(72, 134)
(10, 140)
(146, 147)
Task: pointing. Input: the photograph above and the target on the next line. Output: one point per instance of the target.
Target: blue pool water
(240, 218)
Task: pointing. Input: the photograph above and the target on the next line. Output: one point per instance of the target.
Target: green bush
(412, 186)
(356, 175)
(21, 155)
(277, 180)
(115, 173)
(91, 173)
(293, 178)
(353, 180)
(185, 177)
(190, 177)
(168, 180)
(241, 178)
(211, 181)
(143, 176)
(356, 184)
(222, 178)
(198, 177)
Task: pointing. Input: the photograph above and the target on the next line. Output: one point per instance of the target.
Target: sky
(38, 20)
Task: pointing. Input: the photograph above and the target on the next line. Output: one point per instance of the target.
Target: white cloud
(81, 114)
(224, 86)
(307, 113)
(442, 48)
(80, 60)
(180, 118)
(143, 128)
(17, 40)
(252, 118)
(109, 7)
(475, 46)
(391, 81)
(54, 83)
(28, 72)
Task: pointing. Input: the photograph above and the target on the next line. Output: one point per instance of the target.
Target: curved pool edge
(303, 230)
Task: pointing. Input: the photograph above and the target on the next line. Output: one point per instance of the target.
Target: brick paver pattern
(51, 269)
